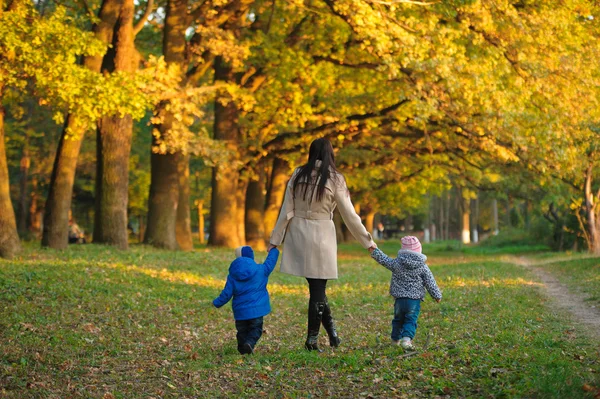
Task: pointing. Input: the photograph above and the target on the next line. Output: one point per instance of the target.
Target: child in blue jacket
(247, 284)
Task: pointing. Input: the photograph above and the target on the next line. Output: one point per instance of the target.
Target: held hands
(371, 249)
(270, 247)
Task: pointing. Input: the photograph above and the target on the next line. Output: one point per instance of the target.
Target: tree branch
(317, 129)
(360, 65)
(142, 21)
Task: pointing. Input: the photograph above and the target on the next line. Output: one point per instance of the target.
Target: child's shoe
(246, 349)
(395, 342)
(406, 343)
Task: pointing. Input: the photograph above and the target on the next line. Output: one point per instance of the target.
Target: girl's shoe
(395, 342)
(406, 343)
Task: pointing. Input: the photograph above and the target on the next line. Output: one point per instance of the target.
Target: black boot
(315, 315)
(329, 325)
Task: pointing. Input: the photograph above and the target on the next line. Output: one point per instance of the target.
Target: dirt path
(582, 312)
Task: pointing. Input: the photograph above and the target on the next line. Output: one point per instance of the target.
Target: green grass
(93, 322)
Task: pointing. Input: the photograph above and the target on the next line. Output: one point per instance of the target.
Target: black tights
(316, 287)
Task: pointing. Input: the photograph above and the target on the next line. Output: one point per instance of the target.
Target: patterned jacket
(410, 275)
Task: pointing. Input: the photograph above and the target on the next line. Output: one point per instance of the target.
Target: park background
(164, 122)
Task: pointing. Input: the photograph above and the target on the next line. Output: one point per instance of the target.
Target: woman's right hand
(373, 248)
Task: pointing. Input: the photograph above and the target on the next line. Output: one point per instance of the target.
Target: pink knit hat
(411, 243)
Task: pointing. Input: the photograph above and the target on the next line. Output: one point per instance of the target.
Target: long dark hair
(320, 150)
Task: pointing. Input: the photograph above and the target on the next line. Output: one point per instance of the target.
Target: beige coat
(310, 248)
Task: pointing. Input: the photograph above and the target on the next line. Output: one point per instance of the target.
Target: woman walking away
(306, 223)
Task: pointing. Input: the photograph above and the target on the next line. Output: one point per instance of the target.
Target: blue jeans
(248, 331)
(406, 313)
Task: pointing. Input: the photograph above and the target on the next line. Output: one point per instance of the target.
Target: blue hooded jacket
(247, 284)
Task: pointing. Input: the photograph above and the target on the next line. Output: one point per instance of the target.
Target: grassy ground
(582, 275)
(93, 322)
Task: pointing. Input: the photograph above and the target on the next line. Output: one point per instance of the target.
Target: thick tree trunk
(23, 208)
(56, 213)
(113, 146)
(224, 218)
(223, 212)
(58, 203)
(163, 201)
(9, 238)
(169, 220)
(280, 173)
(183, 226)
(255, 209)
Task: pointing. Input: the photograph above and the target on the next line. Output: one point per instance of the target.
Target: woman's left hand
(270, 247)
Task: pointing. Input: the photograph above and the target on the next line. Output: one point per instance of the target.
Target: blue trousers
(248, 332)
(406, 313)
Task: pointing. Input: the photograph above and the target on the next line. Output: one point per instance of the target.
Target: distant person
(76, 234)
(380, 229)
(247, 285)
(306, 223)
(410, 277)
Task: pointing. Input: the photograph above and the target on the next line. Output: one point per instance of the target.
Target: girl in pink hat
(410, 277)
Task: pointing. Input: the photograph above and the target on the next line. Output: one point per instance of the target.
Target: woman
(306, 222)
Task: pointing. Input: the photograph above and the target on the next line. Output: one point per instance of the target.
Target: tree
(31, 46)
(58, 201)
(114, 141)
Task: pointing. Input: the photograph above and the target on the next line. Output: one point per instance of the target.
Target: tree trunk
(339, 227)
(114, 144)
(34, 214)
(507, 218)
(23, 208)
(369, 221)
(432, 221)
(9, 238)
(527, 214)
(141, 229)
(163, 201)
(255, 209)
(201, 221)
(58, 203)
(590, 205)
(168, 225)
(495, 215)
(275, 193)
(447, 216)
(441, 218)
(224, 218)
(475, 220)
(241, 210)
(56, 213)
(183, 227)
(464, 206)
